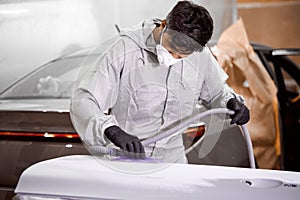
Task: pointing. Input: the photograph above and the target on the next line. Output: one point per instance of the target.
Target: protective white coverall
(143, 97)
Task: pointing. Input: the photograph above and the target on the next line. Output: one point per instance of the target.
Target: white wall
(32, 32)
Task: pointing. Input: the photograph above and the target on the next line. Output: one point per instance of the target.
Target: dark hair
(193, 23)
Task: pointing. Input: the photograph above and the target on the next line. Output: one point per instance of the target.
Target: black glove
(241, 112)
(125, 141)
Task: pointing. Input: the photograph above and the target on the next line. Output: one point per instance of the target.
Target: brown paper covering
(249, 78)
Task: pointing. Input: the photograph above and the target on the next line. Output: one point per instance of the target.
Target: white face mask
(163, 55)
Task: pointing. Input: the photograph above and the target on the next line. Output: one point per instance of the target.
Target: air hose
(117, 152)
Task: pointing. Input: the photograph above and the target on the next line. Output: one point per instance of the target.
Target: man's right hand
(125, 141)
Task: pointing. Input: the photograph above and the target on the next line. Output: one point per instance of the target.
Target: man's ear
(163, 23)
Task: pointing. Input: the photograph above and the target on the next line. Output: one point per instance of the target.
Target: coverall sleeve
(215, 92)
(96, 93)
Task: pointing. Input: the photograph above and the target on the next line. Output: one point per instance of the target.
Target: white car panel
(85, 177)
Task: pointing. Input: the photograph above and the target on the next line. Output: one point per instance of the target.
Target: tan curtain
(248, 77)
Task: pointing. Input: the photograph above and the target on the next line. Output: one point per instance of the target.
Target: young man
(150, 78)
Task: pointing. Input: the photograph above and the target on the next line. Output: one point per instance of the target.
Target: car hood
(152, 180)
(44, 105)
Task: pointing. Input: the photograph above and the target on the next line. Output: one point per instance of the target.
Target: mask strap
(161, 34)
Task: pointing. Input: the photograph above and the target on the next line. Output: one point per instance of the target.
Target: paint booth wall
(33, 32)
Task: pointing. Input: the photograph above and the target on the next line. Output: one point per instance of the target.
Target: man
(150, 78)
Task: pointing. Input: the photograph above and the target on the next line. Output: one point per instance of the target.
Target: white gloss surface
(85, 177)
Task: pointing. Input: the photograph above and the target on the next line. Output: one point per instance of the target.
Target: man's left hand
(241, 112)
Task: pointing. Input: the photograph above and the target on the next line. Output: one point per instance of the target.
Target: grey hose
(249, 146)
(186, 123)
(117, 152)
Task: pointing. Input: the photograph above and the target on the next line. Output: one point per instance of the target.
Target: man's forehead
(171, 43)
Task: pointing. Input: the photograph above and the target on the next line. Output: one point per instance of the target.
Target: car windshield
(53, 80)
